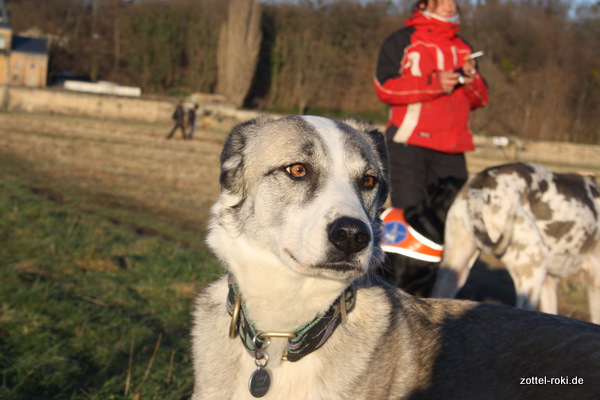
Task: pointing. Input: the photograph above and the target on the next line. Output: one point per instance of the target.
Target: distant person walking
(179, 119)
(192, 120)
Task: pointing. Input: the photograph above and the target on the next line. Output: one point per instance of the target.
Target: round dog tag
(259, 383)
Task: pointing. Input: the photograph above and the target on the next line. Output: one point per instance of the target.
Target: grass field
(91, 308)
(101, 232)
(101, 252)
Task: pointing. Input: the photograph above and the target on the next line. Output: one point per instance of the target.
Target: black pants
(415, 170)
(180, 126)
(424, 183)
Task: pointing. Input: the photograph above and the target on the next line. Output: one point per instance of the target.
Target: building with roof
(23, 60)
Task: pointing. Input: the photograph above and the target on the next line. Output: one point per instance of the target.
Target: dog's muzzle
(349, 235)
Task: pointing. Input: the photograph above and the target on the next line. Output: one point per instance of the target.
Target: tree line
(541, 60)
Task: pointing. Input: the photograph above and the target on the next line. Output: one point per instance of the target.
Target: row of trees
(313, 56)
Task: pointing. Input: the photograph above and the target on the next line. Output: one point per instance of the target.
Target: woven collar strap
(308, 338)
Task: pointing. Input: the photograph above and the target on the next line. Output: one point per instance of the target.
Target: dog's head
(304, 192)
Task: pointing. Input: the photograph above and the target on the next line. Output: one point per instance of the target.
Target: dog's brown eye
(369, 182)
(296, 170)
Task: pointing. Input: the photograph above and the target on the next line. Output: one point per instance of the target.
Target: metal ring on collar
(268, 336)
(265, 358)
(263, 345)
(287, 335)
(235, 315)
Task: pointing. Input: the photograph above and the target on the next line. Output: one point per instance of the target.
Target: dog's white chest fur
(288, 381)
(223, 366)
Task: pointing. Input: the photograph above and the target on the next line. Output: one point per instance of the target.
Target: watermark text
(545, 380)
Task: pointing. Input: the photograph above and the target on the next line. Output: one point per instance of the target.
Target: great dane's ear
(232, 157)
(378, 141)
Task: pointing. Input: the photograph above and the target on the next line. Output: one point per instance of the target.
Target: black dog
(428, 218)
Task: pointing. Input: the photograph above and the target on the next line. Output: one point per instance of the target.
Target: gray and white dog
(299, 316)
(544, 226)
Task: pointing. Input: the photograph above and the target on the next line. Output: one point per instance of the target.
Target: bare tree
(541, 59)
(202, 38)
(237, 54)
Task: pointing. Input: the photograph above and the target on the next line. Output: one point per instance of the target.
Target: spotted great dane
(542, 225)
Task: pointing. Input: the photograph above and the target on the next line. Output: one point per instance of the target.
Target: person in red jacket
(425, 74)
(427, 77)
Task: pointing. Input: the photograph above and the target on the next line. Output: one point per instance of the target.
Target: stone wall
(60, 101)
(94, 105)
(559, 156)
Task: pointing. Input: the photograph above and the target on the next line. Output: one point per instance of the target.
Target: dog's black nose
(349, 235)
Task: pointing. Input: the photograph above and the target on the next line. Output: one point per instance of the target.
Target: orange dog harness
(399, 237)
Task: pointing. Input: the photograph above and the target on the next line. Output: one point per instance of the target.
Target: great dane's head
(303, 192)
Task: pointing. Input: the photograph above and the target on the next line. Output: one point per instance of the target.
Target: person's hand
(469, 70)
(448, 80)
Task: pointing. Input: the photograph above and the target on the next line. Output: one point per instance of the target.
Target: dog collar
(303, 340)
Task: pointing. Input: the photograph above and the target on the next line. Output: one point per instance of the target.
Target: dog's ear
(378, 140)
(232, 157)
(358, 124)
(377, 137)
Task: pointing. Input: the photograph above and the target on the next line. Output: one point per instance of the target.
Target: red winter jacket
(406, 79)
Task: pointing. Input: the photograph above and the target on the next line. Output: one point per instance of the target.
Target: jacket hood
(433, 25)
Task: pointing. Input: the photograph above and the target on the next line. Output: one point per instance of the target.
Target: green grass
(91, 308)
